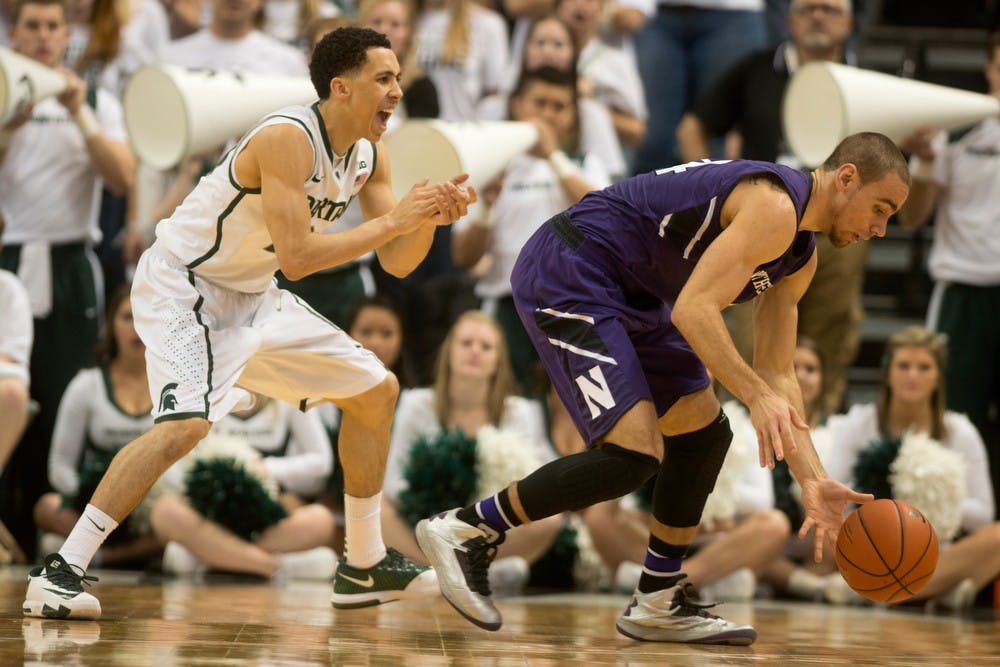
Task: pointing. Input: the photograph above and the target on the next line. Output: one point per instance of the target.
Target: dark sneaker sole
(492, 627)
(35, 609)
(731, 638)
(360, 605)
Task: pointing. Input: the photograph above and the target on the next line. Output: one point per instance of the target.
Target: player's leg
(192, 366)
(55, 589)
(304, 359)
(599, 379)
(585, 348)
(696, 437)
(663, 607)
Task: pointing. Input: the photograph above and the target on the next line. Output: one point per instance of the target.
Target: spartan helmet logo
(167, 399)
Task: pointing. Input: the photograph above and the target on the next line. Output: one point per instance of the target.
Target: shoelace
(480, 555)
(685, 600)
(396, 560)
(69, 580)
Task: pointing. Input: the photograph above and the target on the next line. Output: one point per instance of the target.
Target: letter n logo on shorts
(595, 391)
(167, 399)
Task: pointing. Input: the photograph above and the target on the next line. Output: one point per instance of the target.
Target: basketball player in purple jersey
(622, 295)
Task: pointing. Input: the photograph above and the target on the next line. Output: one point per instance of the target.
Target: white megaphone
(172, 112)
(826, 102)
(441, 149)
(24, 81)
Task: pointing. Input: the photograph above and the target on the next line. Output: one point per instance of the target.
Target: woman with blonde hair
(465, 434)
(463, 48)
(908, 446)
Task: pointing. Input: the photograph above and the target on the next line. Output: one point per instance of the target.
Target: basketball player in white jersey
(216, 327)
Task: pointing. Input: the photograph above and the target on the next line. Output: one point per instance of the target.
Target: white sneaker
(178, 560)
(627, 576)
(508, 576)
(55, 590)
(737, 586)
(837, 591)
(461, 554)
(672, 615)
(317, 564)
(961, 596)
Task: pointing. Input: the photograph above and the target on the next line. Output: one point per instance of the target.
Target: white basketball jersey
(218, 231)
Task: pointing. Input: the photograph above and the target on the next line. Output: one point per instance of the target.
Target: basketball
(887, 550)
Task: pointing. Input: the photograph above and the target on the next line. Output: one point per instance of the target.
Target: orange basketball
(887, 550)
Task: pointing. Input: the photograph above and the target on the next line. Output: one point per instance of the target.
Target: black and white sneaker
(673, 615)
(461, 555)
(55, 590)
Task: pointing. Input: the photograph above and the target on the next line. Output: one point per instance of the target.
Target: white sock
(804, 584)
(363, 545)
(87, 537)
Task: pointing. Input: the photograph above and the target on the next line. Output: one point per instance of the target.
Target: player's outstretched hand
(824, 501)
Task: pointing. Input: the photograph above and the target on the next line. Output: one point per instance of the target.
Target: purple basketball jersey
(657, 225)
(594, 286)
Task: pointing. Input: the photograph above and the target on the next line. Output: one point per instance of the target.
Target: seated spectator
(252, 517)
(908, 446)
(15, 349)
(465, 436)
(794, 573)
(103, 409)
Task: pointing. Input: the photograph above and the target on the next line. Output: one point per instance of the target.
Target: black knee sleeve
(581, 480)
(691, 463)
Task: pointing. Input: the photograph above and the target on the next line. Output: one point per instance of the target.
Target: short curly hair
(342, 51)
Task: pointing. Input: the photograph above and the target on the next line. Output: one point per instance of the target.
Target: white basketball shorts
(208, 346)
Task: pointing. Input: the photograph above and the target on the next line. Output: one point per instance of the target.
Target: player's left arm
(775, 325)
(402, 254)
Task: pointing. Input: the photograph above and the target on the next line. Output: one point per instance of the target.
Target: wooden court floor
(166, 622)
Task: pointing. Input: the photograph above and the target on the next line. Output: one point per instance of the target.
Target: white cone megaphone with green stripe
(24, 81)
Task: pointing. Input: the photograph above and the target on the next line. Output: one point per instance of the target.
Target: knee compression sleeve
(581, 480)
(691, 463)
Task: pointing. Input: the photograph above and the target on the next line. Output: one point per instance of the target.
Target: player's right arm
(279, 160)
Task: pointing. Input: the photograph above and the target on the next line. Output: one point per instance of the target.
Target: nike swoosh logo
(63, 594)
(100, 528)
(367, 583)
